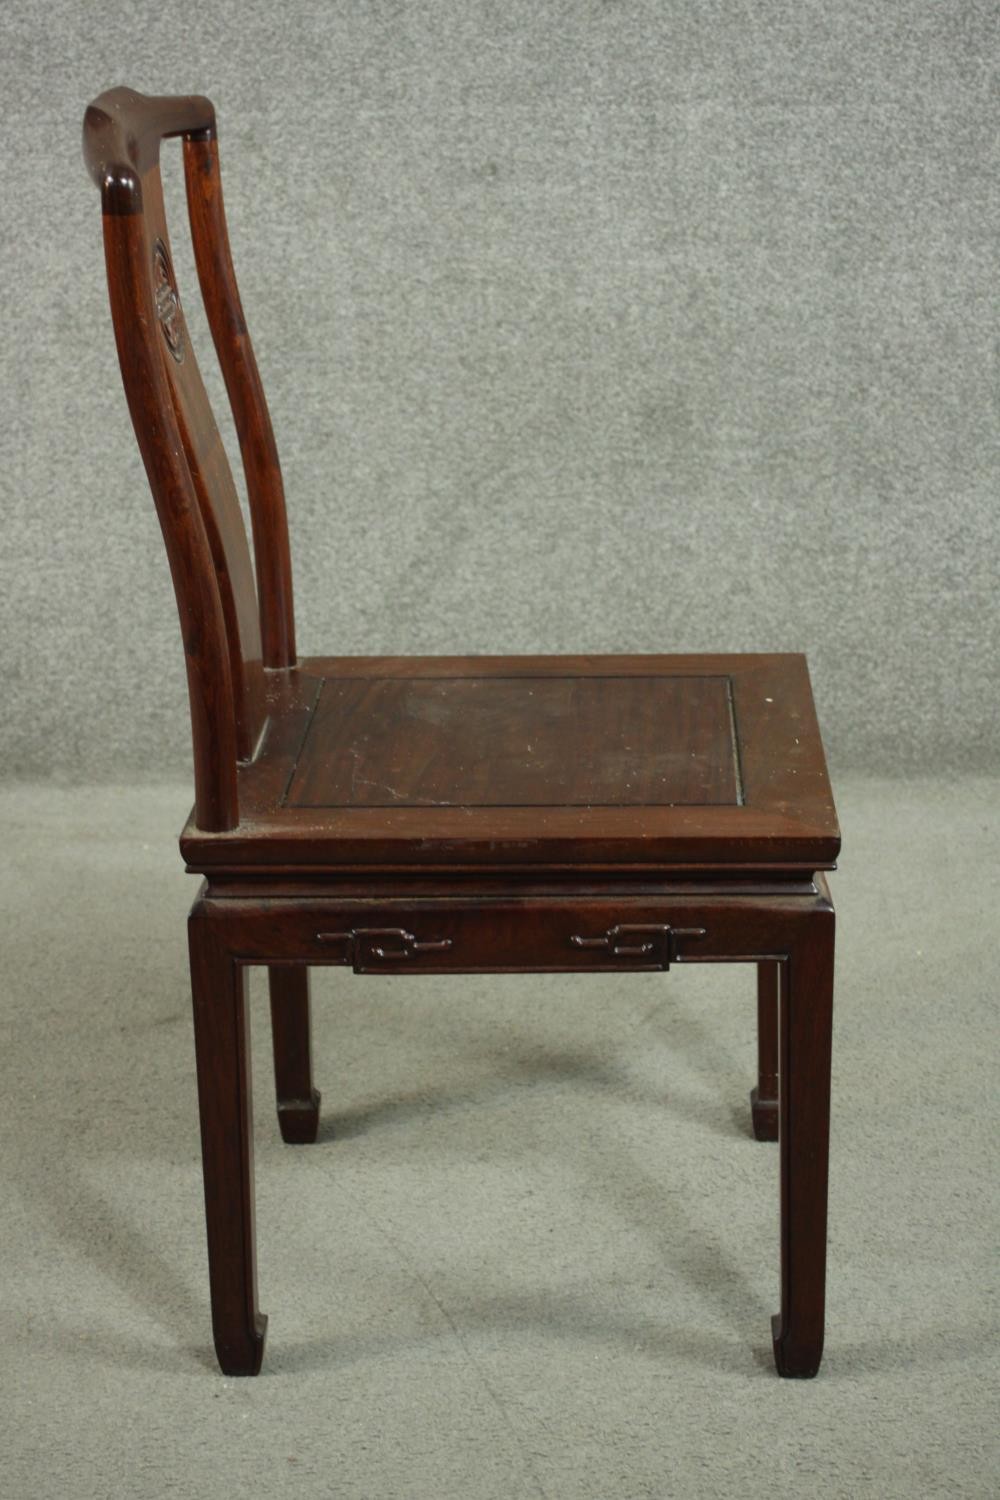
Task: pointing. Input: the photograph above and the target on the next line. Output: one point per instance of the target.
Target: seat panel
(483, 741)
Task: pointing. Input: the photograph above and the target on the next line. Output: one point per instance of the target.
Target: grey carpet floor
(534, 1253)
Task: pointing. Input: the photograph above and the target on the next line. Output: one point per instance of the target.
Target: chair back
(233, 631)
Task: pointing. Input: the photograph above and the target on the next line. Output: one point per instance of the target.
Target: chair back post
(265, 488)
(203, 626)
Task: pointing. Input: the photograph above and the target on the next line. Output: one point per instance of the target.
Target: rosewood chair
(444, 815)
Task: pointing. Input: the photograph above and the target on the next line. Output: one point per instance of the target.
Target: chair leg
(298, 1101)
(764, 1098)
(805, 1025)
(222, 1050)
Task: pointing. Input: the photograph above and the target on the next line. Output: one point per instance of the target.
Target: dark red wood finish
(444, 815)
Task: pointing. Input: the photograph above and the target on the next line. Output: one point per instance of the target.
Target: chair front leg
(298, 1101)
(222, 1048)
(805, 1028)
(764, 1098)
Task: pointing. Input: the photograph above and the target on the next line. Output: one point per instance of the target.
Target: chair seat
(610, 762)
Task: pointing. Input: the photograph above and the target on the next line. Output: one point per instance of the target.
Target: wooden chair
(444, 815)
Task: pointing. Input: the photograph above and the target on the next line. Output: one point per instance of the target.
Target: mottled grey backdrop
(647, 326)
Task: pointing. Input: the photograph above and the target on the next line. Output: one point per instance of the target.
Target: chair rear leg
(222, 1051)
(764, 1098)
(298, 1101)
